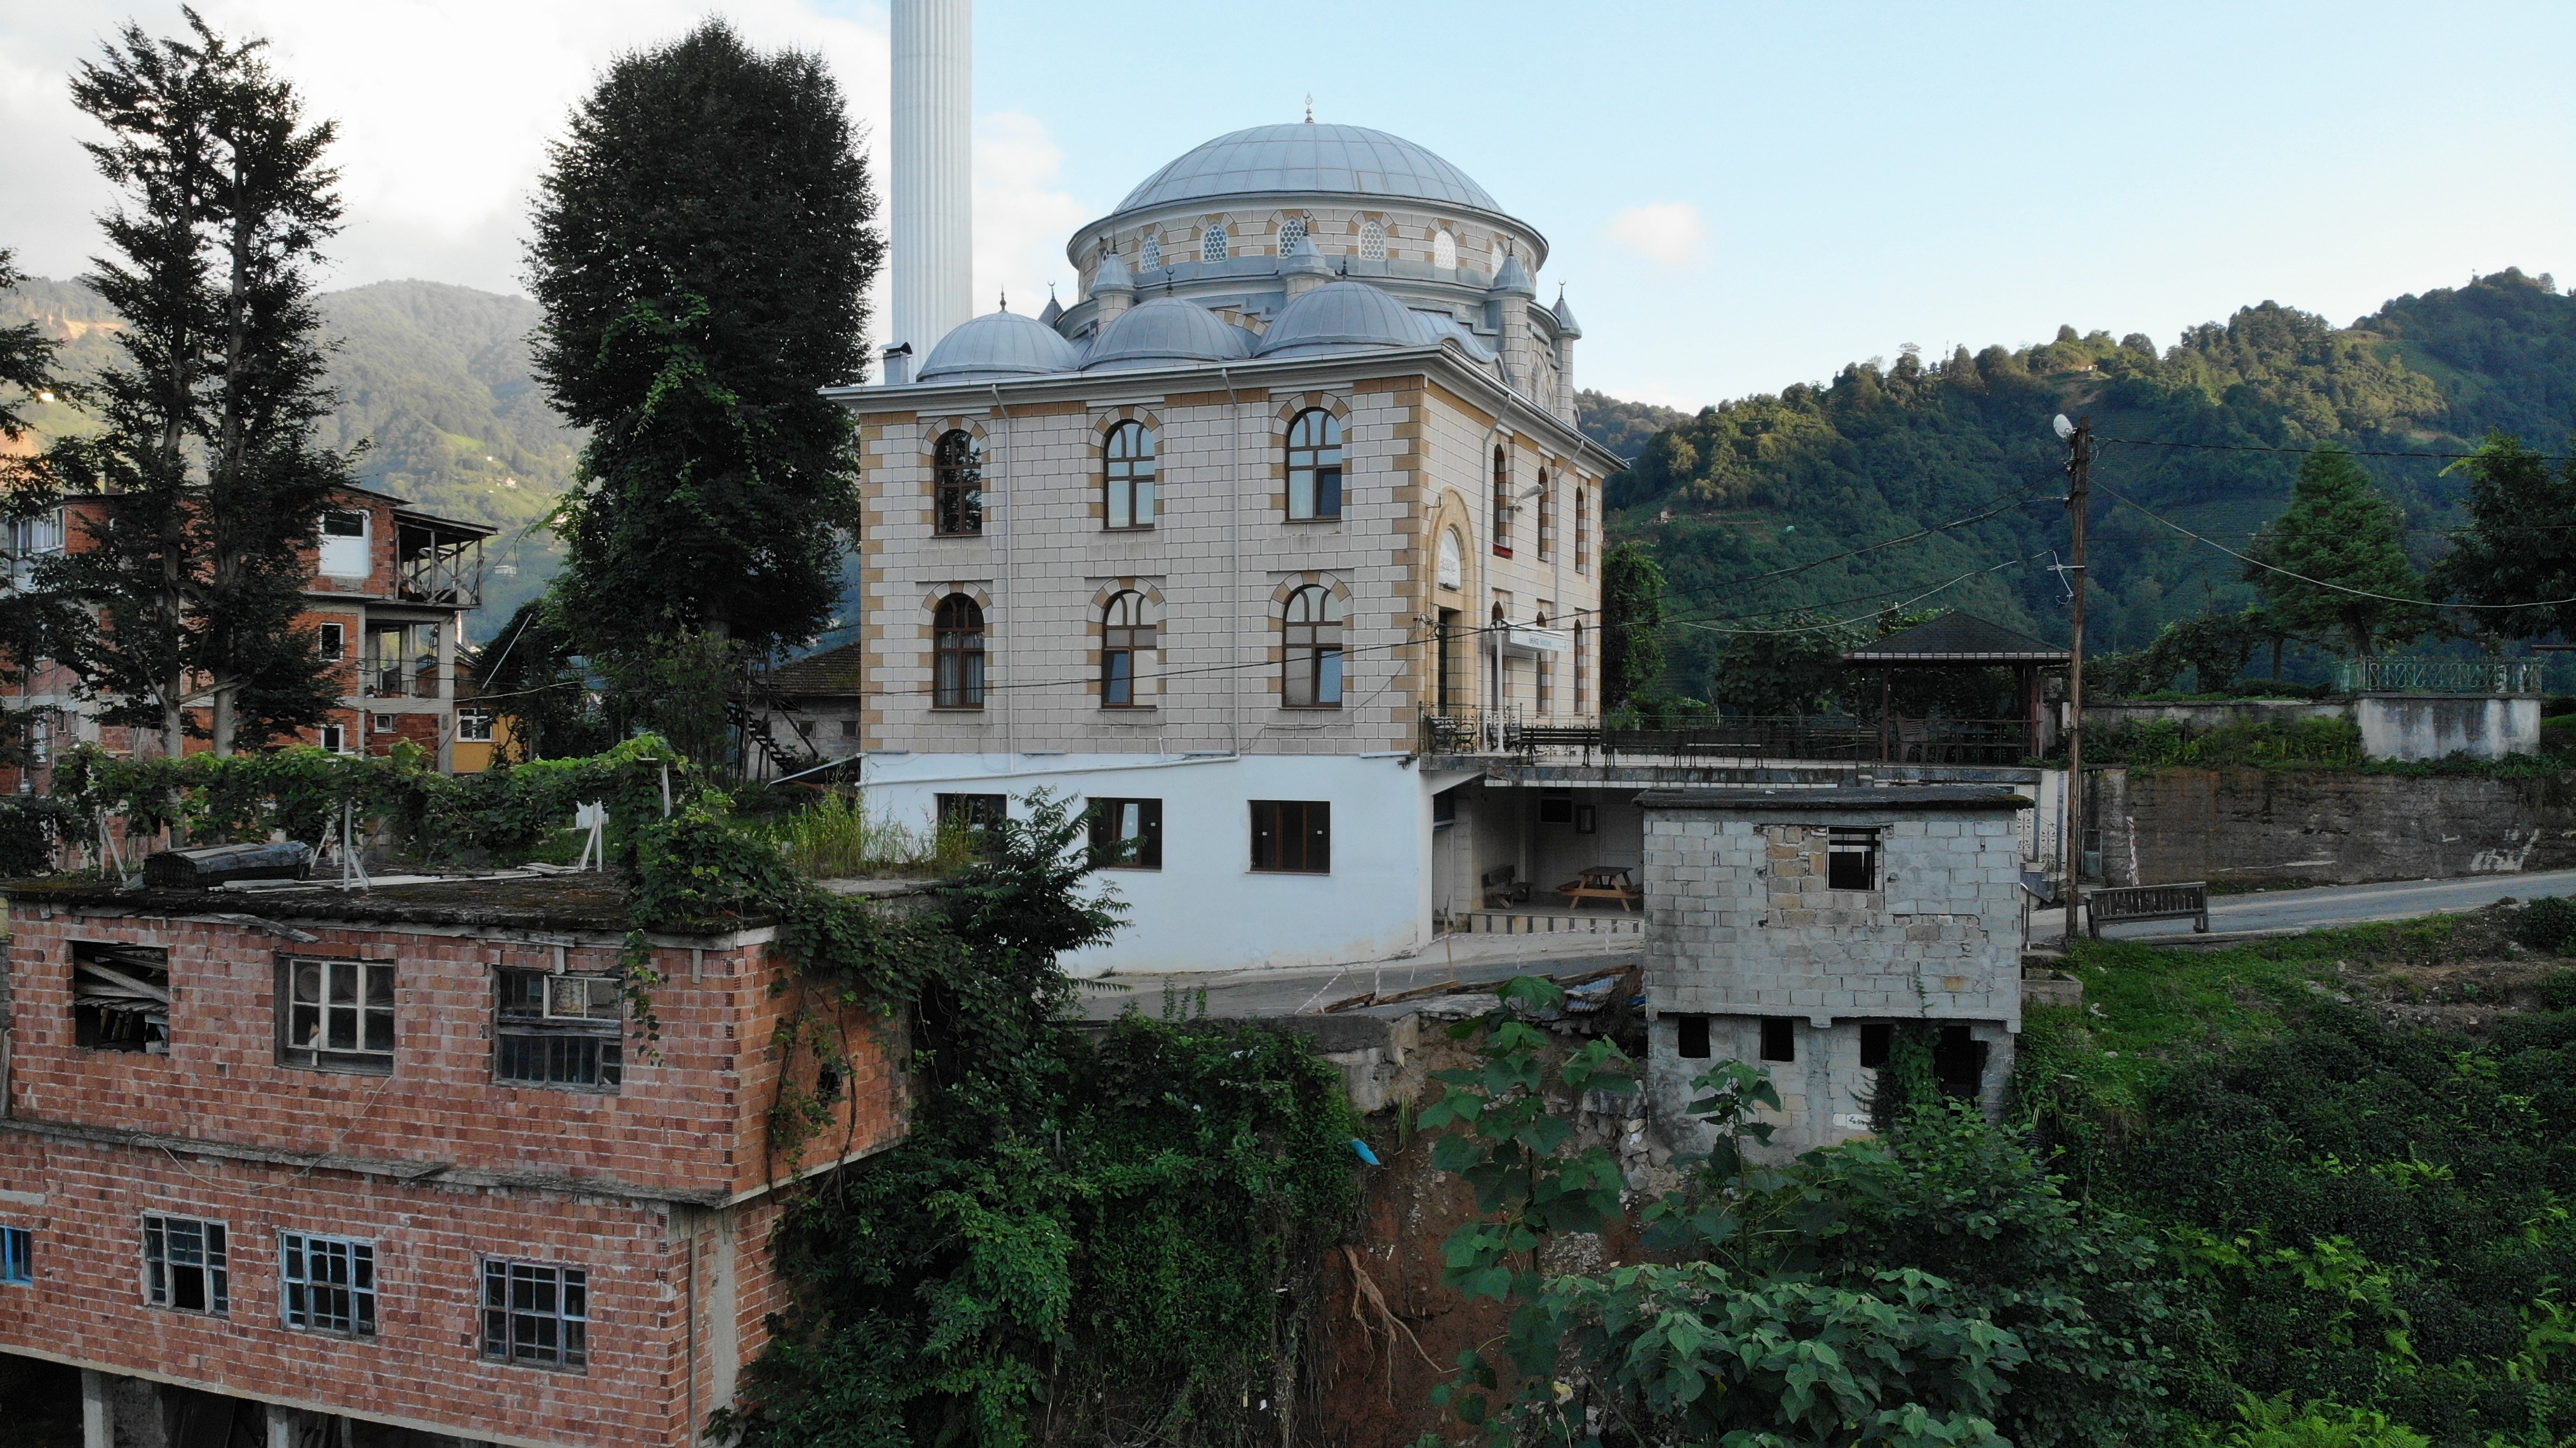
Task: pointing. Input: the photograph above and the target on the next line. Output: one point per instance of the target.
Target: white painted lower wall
(1206, 908)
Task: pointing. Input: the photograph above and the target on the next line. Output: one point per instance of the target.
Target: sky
(1737, 196)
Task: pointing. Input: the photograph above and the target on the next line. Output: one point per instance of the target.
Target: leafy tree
(530, 672)
(1798, 670)
(1632, 617)
(2337, 565)
(702, 253)
(208, 445)
(2520, 542)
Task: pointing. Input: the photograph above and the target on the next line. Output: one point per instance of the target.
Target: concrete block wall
(2326, 827)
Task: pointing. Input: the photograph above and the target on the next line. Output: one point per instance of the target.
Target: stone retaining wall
(2253, 826)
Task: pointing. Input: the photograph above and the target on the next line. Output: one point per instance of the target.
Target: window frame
(479, 731)
(1311, 660)
(1306, 822)
(570, 1350)
(1149, 253)
(297, 1287)
(957, 485)
(1867, 843)
(600, 1040)
(1216, 244)
(1543, 526)
(1372, 240)
(1325, 460)
(957, 654)
(331, 640)
(1779, 1044)
(214, 1261)
(1103, 815)
(1123, 675)
(359, 1058)
(1691, 1038)
(1582, 529)
(1129, 477)
(17, 1255)
(88, 1033)
(1502, 501)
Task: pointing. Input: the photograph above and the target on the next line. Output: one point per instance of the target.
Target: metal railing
(2439, 676)
(402, 678)
(1712, 739)
(439, 566)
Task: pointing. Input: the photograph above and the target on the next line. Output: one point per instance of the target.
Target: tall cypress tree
(702, 251)
(1632, 620)
(209, 455)
(2340, 548)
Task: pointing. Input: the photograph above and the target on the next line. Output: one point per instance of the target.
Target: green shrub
(2548, 923)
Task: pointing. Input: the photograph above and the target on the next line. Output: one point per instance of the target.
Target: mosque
(1291, 492)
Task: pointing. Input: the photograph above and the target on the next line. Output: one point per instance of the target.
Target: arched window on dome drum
(1502, 504)
(1545, 527)
(1313, 636)
(1213, 246)
(1372, 241)
(1293, 232)
(958, 502)
(1126, 653)
(1315, 465)
(1444, 252)
(957, 654)
(1153, 252)
(1129, 476)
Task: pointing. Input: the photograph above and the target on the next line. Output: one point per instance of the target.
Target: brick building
(1796, 928)
(386, 600)
(395, 1168)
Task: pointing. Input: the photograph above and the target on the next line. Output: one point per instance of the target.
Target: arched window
(1213, 246)
(1546, 524)
(958, 508)
(1372, 241)
(1129, 478)
(1582, 667)
(1543, 670)
(957, 654)
(1582, 530)
(1502, 504)
(1314, 650)
(1153, 253)
(1453, 567)
(1293, 232)
(1444, 251)
(1494, 258)
(1126, 653)
(1315, 465)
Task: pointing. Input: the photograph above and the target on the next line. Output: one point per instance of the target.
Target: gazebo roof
(1957, 638)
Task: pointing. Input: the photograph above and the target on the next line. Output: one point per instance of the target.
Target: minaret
(934, 209)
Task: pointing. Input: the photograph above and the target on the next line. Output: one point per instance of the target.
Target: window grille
(958, 467)
(184, 1266)
(327, 1284)
(1292, 836)
(1213, 246)
(957, 654)
(1372, 241)
(1129, 475)
(1313, 636)
(1126, 650)
(1153, 252)
(1293, 232)
(559, 1030)
(337, 1014)
(1444, 251)
(1315, 465)
(1127, 834)
(536, 1314)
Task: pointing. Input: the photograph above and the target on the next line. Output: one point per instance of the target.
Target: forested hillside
(1774, 481)
(433, 377)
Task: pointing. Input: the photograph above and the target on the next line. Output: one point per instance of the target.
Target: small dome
(1167, 332)
(1513, 279)
(999, 345)
(1112, 274)
(1338, 317)
(1338, 160)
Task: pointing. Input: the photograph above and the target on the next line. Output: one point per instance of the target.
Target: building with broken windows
(1805, 929)
(385, 606)
(296, 1166)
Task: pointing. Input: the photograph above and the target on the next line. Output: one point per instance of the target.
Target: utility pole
(2079, 474)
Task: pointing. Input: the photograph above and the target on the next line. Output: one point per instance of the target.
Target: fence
(1713, 739)
(2439, 676)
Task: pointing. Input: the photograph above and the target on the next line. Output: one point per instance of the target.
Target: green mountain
(433, 379)
(1772, 482)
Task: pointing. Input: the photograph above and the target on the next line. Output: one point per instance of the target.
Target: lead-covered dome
(1339, 318)
(1167, 332)
(999, 345)
(1304, 157)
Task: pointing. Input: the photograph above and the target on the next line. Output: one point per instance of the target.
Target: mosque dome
(1340, 317)
(1302, 157)
(1166, 332)
(1000, 345)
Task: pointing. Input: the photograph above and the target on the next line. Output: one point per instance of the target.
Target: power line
(1873, 613)
(2269, 447)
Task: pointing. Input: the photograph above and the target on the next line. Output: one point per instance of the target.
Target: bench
(2120, 904)
(1504, 888)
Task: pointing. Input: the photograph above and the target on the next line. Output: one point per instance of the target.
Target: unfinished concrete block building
(1800, 928)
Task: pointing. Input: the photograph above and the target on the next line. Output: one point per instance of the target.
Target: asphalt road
(2275, 910)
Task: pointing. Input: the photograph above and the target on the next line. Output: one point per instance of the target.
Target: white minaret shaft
(934, 205)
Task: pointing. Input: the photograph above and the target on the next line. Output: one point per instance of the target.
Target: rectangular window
(536, 1314)
(474, 725)
(184, 1266)
(973, 813)
(343, 551)
(37, 536)
(1292, 836)
(17, 1256)
(1127, 834)
(849, 728)
(403, 661)
(1779, 1038)
(120, 997)
(327, 1284)
(335, 737)
(559, 1030)
(1691, 1038)
(331, 640)
(336, 1015)
(1556, 807)
(1877, 1043)
(1851, 860)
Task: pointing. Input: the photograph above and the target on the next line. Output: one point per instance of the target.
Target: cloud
(1669, 232)
(1022, 219)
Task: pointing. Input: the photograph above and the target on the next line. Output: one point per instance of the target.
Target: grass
(836, 838)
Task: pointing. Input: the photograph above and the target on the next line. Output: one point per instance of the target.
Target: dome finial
(1006, 300)
(1310, 108)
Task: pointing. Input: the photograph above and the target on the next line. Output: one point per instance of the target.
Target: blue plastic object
(1366, 1155)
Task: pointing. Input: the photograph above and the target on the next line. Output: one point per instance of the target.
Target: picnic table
(1602, 882)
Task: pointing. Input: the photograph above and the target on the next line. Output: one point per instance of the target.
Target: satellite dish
(2064, 428)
